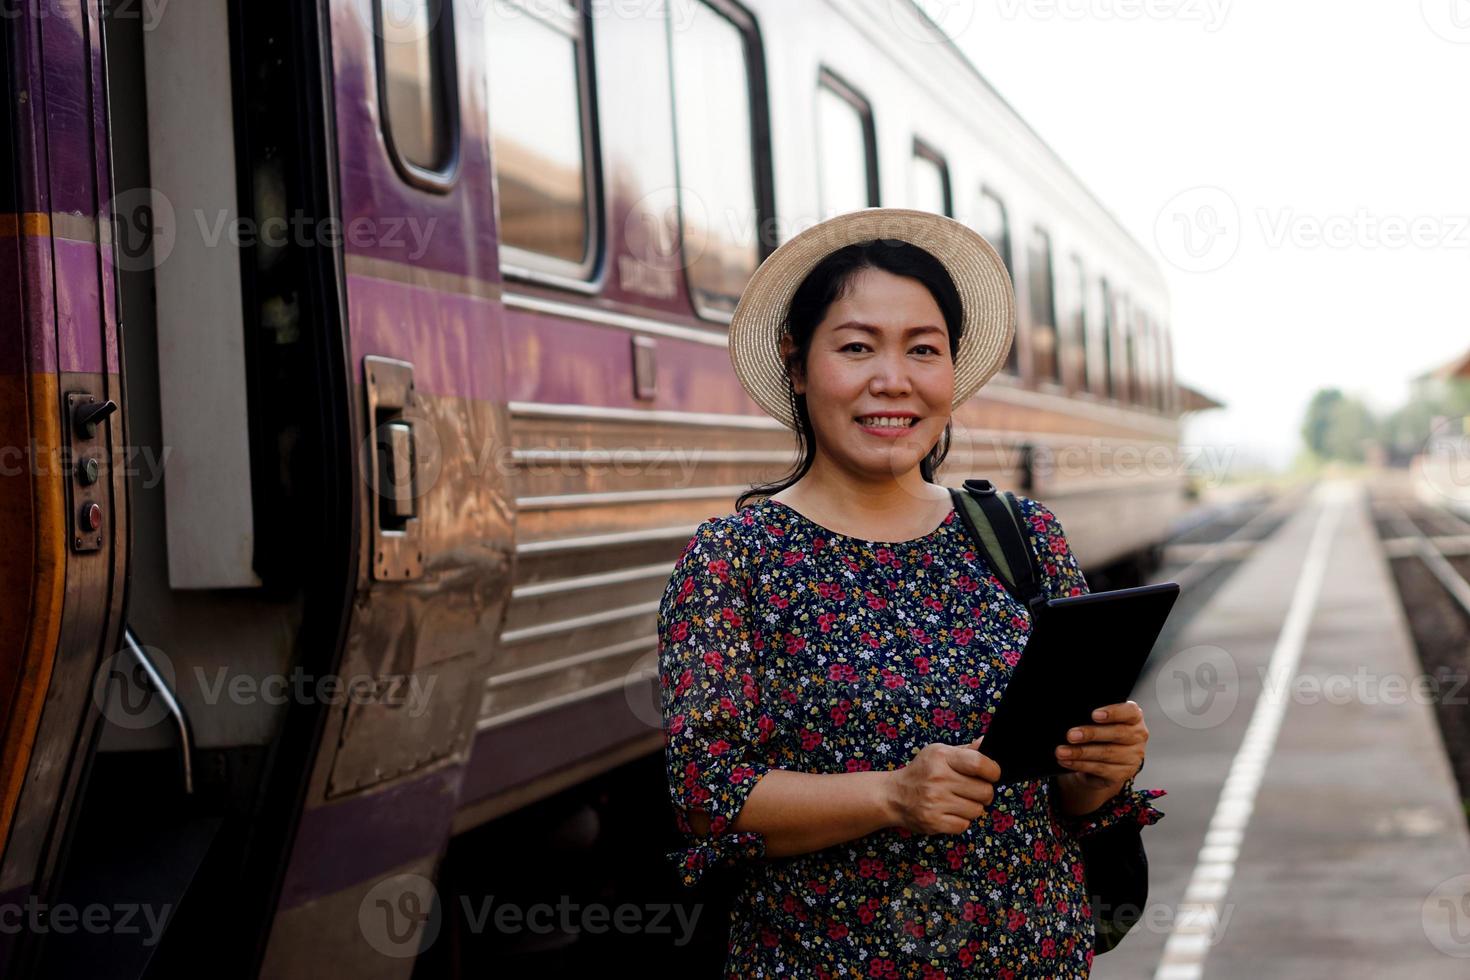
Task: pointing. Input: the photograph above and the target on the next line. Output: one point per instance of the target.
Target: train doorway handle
(166, 695)
(396, 479)
(393, 461)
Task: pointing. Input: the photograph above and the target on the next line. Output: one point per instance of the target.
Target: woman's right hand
(943, 788)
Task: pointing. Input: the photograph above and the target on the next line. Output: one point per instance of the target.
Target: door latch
(392, 466)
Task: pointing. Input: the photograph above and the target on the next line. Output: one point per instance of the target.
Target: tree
(1318, 420)
(1406, 429)
(1336, 426)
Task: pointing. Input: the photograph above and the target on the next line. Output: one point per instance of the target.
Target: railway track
(1428, 549)
(1226, 537)
(1206, 550)
(1432, 536)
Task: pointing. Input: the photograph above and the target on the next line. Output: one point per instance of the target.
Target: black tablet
(1083, 652)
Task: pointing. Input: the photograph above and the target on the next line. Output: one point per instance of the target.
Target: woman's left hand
(1106, 755)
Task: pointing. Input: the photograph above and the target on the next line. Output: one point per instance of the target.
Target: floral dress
(785, 645)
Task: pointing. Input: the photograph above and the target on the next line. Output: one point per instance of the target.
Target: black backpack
(1113, 860)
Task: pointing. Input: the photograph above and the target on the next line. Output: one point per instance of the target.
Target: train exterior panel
(476, 440)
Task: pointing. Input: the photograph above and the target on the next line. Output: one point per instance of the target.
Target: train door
(229, 353)
(193, 739)
(435, 535)
(63, 503)
(298, 290)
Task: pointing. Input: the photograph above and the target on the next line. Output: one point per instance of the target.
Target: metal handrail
(186, 733)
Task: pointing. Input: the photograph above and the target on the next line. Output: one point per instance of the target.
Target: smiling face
(882, 349)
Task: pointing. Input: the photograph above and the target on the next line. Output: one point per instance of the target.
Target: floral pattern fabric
(785, 645)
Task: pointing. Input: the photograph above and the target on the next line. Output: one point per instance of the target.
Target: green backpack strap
(985, 535)
(989, 514)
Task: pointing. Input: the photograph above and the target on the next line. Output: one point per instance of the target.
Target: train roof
(957, 52)
(1194, 400)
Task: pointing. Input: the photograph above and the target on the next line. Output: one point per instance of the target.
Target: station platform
(1313, 828)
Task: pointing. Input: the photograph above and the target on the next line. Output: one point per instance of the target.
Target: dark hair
(825, 284)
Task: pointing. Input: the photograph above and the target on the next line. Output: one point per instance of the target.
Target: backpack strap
(993, 520)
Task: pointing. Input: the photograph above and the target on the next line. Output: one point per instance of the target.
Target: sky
(1300, 170)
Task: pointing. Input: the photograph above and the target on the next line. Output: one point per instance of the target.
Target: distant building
(1457, 369)
(1192, 400)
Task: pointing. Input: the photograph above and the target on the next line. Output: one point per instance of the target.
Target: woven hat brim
(987, 298)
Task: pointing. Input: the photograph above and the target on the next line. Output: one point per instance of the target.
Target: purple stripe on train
(514, 753)
(450, 338)
(68, 106)
(456, 345)
(26, 283)
(79, 340)
(341, 844)
(691, 377)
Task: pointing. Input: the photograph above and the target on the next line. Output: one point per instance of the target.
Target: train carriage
(362, 374)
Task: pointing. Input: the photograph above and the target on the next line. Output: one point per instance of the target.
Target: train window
(1155, 378)
(1143, 359)
(723, 146)
(540, 136)
(1154, 387)
(1077, 319)
(417, 90)
(994, 224)
(1125, 359)
(929, 188)
(1156, 364)
(1109, 321)
(1166, 369)
(847, 148)
(1166, 354)
(1044, 352)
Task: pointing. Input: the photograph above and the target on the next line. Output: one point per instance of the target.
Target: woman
(830, 655)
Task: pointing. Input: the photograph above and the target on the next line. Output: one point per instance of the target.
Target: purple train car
(362, 374)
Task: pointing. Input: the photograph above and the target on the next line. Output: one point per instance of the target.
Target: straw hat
(984, 285)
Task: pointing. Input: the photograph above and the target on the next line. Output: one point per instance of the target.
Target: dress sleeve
(1063, 577)
(1127, 805)
(712, 730)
